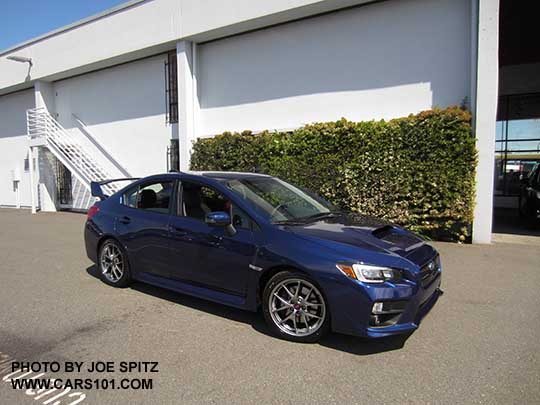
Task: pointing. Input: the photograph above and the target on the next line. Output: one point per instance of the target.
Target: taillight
(94, 209)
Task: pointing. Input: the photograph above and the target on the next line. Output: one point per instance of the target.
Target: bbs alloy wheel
(113, 265)
(295, 308)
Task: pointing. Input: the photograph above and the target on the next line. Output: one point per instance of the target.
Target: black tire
(117, 274)
(313, 308)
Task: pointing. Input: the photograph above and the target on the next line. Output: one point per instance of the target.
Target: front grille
(429, 271)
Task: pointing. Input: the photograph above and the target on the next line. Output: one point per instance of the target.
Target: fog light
(386, 313)
(388, 307)
(377, 308)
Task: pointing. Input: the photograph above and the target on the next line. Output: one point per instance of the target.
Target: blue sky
(21, 20)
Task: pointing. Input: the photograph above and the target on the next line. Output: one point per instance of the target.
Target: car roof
(230, 175)
(217, 176)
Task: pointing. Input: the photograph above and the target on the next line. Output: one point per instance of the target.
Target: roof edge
(78, 23)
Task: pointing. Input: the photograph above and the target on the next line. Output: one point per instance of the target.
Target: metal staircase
(45, 130)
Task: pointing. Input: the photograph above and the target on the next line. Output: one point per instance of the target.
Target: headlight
(368, 273)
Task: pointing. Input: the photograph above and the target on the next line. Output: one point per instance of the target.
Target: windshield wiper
(289, 222)
(308, 219)
(320, 215)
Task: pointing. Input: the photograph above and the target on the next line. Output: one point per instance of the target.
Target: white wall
(381, 60)
(142, 25)
(14, 145)
(141, 28)
(124, 110)
(202, 20)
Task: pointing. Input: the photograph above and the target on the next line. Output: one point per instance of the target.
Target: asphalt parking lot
(479, 344)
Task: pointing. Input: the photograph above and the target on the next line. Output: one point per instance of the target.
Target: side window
(130, 197)
(240, 219)
(154, 197)
(199, 200)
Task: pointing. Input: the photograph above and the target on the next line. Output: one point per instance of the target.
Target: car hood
(367, 233)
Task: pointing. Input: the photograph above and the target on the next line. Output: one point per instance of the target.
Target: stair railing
(41, 124)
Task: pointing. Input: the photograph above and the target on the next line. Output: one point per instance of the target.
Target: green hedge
(416, 171)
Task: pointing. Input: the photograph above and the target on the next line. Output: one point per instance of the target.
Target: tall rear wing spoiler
(96, 187)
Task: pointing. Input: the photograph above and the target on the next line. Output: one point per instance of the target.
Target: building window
(517, 144)
(171, 88)
(27, 164)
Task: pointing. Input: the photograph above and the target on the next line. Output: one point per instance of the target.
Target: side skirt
(219, 297)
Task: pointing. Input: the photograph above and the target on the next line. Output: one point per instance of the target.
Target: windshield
(278, 201)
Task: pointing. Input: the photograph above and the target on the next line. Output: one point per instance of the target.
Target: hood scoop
(399, 239)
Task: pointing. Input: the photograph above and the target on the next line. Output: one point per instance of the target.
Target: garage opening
(517, 148)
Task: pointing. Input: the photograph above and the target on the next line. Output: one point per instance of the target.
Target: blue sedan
(254, 241)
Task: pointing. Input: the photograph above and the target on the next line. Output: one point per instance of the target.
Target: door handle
(125, 220)
(178, 231)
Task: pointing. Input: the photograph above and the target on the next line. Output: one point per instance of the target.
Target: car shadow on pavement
(364, 346)
(344, 343)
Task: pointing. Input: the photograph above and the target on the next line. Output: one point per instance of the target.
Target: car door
(143, 226)
(205, 255)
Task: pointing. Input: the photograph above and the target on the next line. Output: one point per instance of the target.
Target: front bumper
(359, 298)
(416, 309)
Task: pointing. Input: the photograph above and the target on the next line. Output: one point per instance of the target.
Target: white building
(106, 95)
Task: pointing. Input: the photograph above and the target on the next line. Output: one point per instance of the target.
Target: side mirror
(220, 219)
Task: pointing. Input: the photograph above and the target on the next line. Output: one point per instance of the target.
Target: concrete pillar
(188, 104)
(33, 186)
(44, 96)
(45, 174)
(484, 107)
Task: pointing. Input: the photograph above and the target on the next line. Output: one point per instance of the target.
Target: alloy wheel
(297, 307)
(112, 263)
